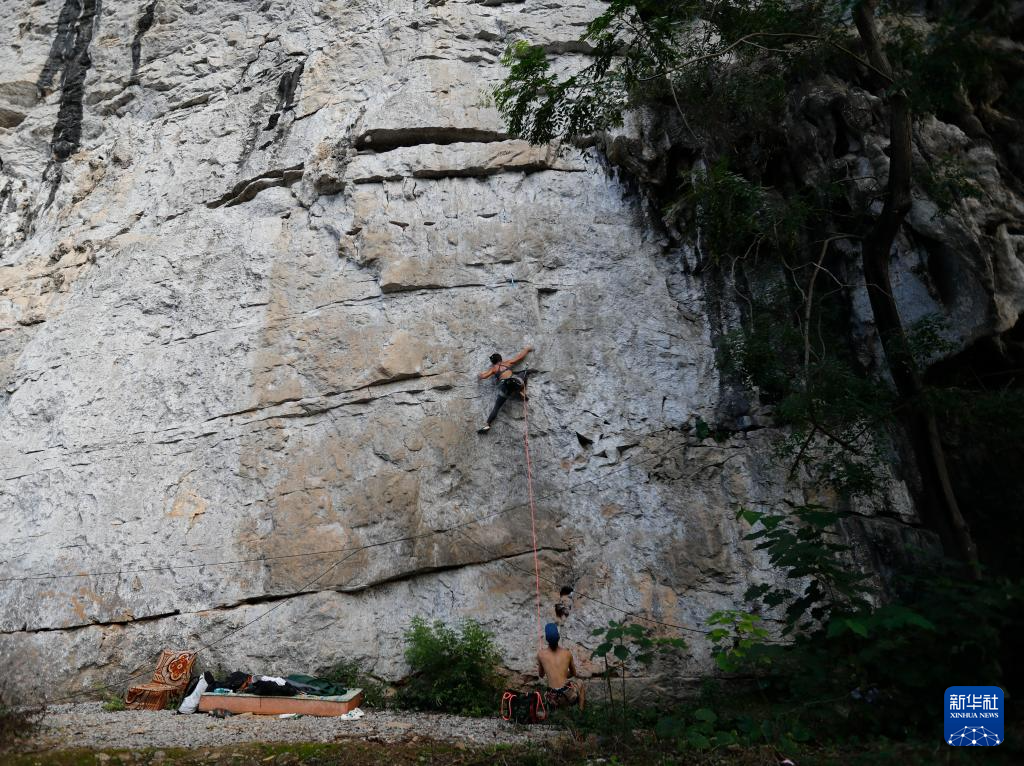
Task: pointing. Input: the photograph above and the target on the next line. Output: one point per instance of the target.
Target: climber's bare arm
(519, 357)
(494, 368)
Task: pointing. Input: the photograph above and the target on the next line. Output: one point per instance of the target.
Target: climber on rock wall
(509, 382)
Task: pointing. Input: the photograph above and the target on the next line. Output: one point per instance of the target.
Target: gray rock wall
(253, 255)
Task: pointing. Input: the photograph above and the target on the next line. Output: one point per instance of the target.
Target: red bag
(523, 707)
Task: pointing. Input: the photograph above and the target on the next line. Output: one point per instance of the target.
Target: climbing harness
(560, 697)
(513, 378)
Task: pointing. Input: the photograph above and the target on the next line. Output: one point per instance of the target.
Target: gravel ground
(87, 725)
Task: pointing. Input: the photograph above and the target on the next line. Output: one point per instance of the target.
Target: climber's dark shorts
(508, 388)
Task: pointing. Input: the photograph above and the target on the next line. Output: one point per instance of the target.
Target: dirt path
(87, 725)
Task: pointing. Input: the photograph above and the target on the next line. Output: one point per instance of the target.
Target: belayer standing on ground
(509, 383)
(556, 664)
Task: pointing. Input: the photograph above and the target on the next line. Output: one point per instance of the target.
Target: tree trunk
(940, 508)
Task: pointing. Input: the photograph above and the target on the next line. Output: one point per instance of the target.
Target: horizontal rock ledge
(459, 160)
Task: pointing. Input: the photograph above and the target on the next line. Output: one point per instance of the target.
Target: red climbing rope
(533, 512)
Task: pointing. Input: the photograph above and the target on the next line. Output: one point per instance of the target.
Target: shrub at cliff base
(453, 669)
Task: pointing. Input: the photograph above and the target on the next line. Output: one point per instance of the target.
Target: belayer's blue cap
(551, 633)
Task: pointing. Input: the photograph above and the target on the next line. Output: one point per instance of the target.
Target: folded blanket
(319, 687)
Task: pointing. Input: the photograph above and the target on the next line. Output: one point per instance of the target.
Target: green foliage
(806, 546)
(632, 643)
(945, 624)
(642, 52)
(695, 731)
(768, 18)
(725, 103)
(946, 183)
(732, 73)
(941, 64)
(623, 646)
(453, 669)
(728, 716)
(113, 703)
(604, 719)
(734, 635)
(928, 339)
(854, 659)
(763, 353)
(802, 365)
(714, 724)
(737, 219)
(347, 673)
(540, 107)
(732, 214)
(764, 219)
(731, 211)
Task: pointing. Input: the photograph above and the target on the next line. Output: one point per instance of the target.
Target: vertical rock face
(253, 256)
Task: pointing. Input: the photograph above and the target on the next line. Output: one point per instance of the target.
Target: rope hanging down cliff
(510, 383)
(533, 509)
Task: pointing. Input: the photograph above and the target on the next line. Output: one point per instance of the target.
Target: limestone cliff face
(253, 255)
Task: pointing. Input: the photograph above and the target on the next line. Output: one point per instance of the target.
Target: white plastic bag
(191, 702)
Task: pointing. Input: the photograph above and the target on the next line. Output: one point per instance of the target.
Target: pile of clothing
(268, 686)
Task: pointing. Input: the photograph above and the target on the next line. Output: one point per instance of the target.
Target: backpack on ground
(523, 707)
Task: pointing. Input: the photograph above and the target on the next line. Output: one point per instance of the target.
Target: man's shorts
(567, 695)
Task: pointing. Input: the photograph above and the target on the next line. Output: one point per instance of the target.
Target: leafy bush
(733, 635)
(855, 659)
(807, 546)
(453, 669)
(848, 678)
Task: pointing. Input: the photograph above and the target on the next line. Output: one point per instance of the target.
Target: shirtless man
(557, 665)
(509, 382)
